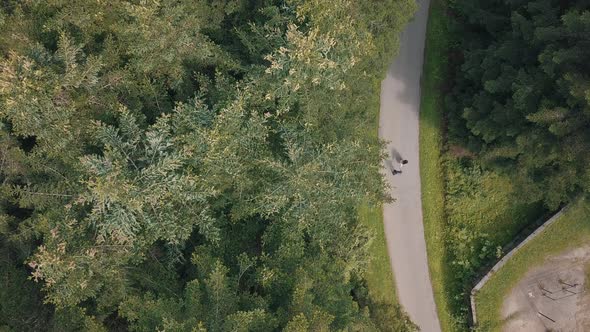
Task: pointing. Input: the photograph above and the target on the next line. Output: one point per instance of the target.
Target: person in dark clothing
(402, 163)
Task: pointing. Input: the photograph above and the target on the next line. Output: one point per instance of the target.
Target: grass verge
(571, 230)
(384, 307)
(469, 213)
(379, 276)
(431, 143)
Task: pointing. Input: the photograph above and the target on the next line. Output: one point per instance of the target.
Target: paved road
(400, 101)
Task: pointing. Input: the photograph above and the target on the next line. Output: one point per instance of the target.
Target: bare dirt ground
(551, 297)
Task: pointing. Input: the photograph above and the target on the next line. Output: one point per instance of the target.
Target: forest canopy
(520, 97)
(191, 165)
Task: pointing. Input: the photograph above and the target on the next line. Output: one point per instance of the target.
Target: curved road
(400, 104)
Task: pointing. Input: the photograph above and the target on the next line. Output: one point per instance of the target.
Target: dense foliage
(190, 165)
(518, 112)
(483, 215)
(521, 95)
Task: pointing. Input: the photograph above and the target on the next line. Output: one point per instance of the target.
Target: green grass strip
(431, 142)
(379, 276)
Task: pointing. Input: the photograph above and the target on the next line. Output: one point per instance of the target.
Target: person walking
(402, 163)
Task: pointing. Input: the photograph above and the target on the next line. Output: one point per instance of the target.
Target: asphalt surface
(400, 105)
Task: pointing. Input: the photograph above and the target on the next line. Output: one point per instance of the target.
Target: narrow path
(400, 105)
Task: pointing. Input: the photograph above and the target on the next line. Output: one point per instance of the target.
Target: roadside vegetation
(571, 230)
(471, 208)
(431, 155)
(194, 165)
(379, 277)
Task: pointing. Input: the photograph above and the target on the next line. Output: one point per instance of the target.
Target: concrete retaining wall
(507, 257)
